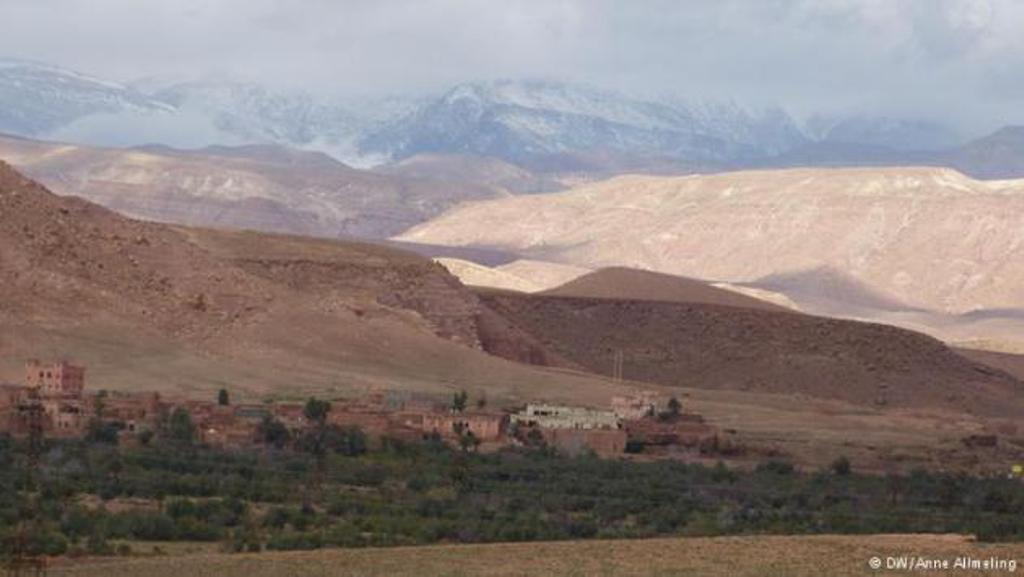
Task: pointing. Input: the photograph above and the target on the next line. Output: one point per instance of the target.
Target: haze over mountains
(542, 126)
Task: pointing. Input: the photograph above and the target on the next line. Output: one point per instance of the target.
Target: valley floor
(762, 556)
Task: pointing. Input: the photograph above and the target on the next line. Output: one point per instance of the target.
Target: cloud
(956, 59)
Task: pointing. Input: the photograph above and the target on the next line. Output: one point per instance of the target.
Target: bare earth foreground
(774, 556)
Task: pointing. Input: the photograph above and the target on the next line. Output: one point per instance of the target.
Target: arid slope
(929, 237)
(263, 188)
(146, 305)
(724, 347)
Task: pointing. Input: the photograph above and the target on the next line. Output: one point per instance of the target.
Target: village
(53, 401)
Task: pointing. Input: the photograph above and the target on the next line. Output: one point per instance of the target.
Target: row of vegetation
(331, 487)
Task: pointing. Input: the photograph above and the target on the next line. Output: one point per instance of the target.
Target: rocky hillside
(146, 305)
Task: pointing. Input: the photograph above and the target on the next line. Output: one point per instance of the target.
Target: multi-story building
(56, 380)
(58, 389)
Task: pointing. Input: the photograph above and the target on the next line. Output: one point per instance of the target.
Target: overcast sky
(961, 59)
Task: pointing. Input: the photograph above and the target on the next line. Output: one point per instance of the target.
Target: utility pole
(617, 365)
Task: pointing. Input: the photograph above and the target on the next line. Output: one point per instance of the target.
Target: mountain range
(541, 126)
(923, 247)
(200, 308)
(262, 187)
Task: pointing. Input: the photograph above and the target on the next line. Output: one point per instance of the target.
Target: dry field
(833, 556)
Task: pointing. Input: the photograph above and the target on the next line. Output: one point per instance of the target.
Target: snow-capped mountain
(538, 125)
(36, 99)
(252, 113)
(541, 123)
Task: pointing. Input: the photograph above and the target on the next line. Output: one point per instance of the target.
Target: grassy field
(834, 556)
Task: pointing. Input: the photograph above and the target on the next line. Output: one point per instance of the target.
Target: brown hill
(719, 347)
(268, 188)
(634, 284)
(1009, 362)
(146, 305)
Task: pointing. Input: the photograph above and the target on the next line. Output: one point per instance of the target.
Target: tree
(99, 432)
(316, 411)
(99, 405)
(349, 441)
(673, 410)
(842, 467)
(272, 432)
(674, 406)
(459, 401)
(180, 426)
(467, 440)
(314, 441)
(222, 398)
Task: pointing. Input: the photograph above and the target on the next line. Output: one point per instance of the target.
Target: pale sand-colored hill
(520, 275)
(775, 298)
(473, 274)
(832, 293)
(928, 237)
(543, 273)
(264, 188)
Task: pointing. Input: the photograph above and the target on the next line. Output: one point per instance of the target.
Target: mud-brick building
(59, 388)
(573, 430)
(9, 396)
(687, 431)
(292, 416)
(565, 417)
(252, 412)
(372, 422)
(603, 442)
(637, 406)
(136, 411)
(55, 380)
(486, 426)
(228, 433)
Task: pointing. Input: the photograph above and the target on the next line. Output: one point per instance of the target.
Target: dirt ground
(834, 556)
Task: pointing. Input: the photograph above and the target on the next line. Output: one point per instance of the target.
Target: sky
(954, 60)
